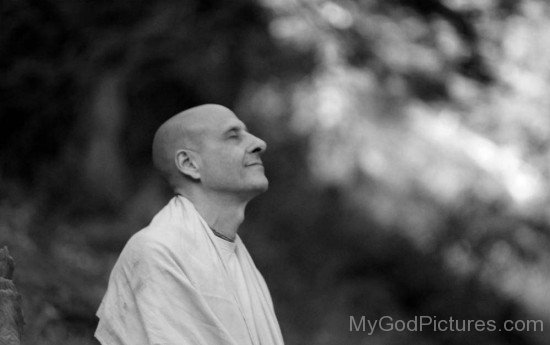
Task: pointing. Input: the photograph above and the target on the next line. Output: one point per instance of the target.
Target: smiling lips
(254, 163)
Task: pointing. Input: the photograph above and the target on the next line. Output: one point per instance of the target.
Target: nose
(258, 145)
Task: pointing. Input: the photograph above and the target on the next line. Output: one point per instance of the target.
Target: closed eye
(233, 134)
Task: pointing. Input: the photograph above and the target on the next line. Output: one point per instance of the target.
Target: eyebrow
(236, 128)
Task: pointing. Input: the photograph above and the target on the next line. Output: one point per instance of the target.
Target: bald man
(187, 277)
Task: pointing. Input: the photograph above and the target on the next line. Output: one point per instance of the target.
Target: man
(187, 278)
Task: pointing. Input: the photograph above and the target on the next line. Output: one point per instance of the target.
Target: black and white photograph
(271, 172)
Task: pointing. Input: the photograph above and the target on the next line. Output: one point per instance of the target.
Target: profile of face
(229, 157)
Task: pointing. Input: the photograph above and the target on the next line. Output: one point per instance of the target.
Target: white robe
(171, 286)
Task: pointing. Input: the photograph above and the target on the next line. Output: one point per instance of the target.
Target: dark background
(408, 154)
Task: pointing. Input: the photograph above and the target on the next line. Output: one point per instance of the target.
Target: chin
(261, 186)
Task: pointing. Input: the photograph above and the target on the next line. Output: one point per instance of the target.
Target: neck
(221, 212)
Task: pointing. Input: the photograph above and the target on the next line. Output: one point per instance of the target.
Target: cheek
(225, 166)
(223, 163)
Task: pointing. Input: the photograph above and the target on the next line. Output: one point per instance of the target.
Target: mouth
(254, 163)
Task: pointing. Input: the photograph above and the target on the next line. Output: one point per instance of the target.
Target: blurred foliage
(408, 153)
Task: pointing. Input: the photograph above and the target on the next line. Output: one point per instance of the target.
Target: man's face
(230, 157)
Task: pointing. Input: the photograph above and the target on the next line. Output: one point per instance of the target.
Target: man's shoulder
(154, 238)
(167, 228)
(146, 250)
(174, 233)
(166, 239)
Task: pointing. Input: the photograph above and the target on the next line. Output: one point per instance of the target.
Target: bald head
(183, 131)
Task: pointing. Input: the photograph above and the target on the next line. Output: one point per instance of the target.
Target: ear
(186, 164)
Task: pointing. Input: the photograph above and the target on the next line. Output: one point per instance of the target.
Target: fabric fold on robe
(171, 285)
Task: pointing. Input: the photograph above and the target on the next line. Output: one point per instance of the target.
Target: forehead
(210, 125)
(220, 122)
